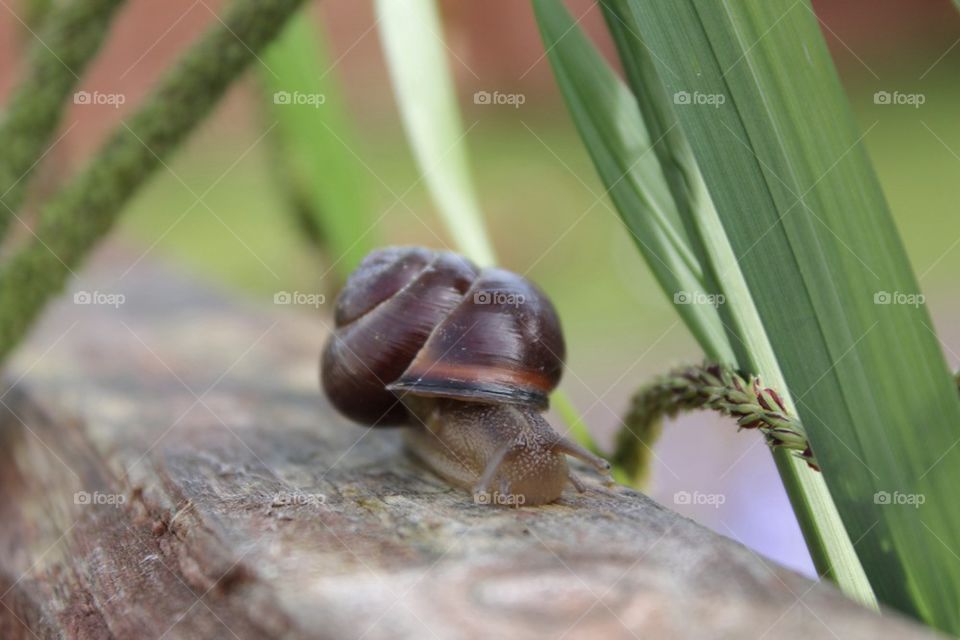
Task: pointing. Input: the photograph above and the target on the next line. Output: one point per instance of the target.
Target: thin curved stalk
(715, 387)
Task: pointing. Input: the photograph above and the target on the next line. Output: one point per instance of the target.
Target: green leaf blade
(416, 58)
(605, 112)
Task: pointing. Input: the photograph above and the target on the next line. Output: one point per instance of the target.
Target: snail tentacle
(576, 482)
(574, 450)
(493, 465)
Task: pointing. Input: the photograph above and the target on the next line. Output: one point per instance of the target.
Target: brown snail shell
(430, 323)
(466, 357)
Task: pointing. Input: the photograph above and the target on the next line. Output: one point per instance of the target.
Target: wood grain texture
(226, 499)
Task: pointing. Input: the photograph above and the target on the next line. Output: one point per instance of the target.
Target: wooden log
(170, 470)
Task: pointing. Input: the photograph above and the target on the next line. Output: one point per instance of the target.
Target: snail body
(466, 358)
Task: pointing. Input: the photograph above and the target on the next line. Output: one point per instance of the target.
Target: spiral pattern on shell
(430, 323)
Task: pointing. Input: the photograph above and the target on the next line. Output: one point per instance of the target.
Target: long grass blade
(416, 57)
(606, 114)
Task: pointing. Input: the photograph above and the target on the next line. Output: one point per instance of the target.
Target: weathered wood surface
(250, 510)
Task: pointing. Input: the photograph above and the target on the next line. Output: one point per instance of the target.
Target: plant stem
(85, 209)
(709, 386)
(71, 36)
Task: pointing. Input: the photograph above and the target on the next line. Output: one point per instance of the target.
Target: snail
(466, 358)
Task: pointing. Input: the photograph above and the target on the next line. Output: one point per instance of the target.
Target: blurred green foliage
(531, 200)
